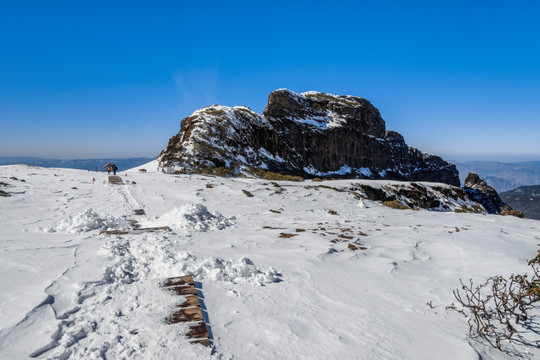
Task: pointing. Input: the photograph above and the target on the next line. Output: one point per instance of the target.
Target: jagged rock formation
(479, 191)
(310, 134)
(419, 196)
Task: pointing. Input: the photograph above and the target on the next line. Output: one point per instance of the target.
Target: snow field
(278, 277)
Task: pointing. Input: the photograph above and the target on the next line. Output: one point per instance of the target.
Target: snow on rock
(192, 216)
(86, 221)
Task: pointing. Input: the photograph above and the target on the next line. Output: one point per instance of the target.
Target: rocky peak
(311, 134)
(474, 181)
(479, 191)
(326, 110)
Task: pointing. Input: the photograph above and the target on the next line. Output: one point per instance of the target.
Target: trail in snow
(122, 314)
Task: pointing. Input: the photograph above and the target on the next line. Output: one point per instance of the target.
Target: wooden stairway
(189, 311)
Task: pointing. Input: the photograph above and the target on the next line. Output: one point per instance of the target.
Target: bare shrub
(495, 308)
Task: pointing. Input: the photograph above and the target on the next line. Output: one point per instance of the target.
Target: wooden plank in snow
(191, 301)
(183, 290)
(179, 280)
(135, 231)
(190, 310)
(115, 179)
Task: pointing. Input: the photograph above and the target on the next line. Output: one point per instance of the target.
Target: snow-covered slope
(288, 270)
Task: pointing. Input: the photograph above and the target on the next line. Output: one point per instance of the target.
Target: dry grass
(223, 171)
(515, 213)
(269, 175)
(395, 204)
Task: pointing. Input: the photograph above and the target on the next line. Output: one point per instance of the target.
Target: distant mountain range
(83, 164)
(502, 176)
(524, 198)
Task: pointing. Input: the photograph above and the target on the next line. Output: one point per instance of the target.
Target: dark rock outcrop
(419, 196)
(479, 191)
(309, 134)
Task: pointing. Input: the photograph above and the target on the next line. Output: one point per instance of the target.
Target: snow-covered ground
(276, 283)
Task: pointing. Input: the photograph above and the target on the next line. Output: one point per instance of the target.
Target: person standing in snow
(114, 168)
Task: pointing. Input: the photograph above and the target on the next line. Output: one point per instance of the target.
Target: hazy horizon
(462, 158)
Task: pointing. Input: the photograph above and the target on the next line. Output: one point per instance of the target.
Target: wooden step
(135, 231)
(179, 280)
(115, 179)
(190, 310)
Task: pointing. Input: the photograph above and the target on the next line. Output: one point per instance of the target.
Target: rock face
(311, 134)
(479, 191)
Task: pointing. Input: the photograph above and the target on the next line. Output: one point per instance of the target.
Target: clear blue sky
(114, 79)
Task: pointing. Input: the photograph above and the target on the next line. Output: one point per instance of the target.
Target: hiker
(93, 180)
(109, 170)
(114, 168)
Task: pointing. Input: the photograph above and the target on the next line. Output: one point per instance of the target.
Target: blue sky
(114, 79)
